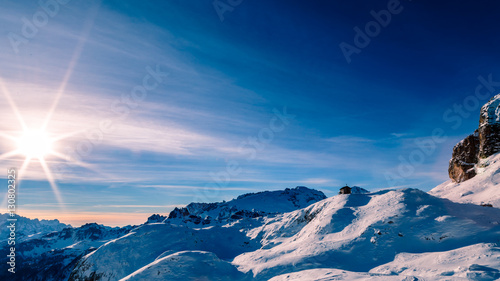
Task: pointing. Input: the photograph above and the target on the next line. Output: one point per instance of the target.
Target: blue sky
(207, 129)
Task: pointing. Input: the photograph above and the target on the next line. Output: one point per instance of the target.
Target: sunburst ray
(12, 104)
(65, 136)
(10, 154)
(20, 172)
(71, 66)
(52, 183)
(4, 135)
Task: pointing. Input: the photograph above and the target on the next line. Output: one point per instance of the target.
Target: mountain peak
(248, 205)
(484, 142)
(156, 218)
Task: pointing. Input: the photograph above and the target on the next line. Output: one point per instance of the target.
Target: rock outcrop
(484, 142)
(464, 158)
(155, 218)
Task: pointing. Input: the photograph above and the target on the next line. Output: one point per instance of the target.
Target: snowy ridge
(250, 205)
(484, 188)
(358, 190)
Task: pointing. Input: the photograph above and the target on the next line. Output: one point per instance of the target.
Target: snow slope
(476, 262)
(358, 232)
(188, 265)
(327, 274)
(483, 188)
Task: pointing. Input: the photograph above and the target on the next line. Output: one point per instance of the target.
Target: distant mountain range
(28, 228)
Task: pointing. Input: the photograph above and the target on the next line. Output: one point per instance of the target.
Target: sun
(34, 144)
(37, 145)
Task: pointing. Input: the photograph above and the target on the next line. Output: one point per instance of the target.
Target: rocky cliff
(484, 142)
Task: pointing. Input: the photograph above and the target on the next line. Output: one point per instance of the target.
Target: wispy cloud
(398, 135)
(349, 140)
(139, 206)
(191, 187)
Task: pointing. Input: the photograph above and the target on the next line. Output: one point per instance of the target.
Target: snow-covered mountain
(123, 256)
(361, 232)
(386, 235)
(198, 226)
(53, 255)
(250, 205)
(51, 250)
(28, 228)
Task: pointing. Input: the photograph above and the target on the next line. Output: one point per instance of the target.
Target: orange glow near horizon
(77, 219)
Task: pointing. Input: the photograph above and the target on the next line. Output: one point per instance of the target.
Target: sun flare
(35, 144)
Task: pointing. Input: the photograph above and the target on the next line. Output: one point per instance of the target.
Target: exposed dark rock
(156, 218)
(178, 213)
(484, 142)
(464, 157)
(489, 140)
(489, 128)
